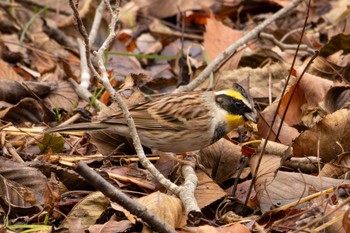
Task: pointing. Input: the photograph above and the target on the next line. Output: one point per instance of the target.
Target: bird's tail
(87, 126)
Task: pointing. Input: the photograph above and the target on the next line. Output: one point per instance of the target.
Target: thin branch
(284, 46)
(85, 71)
(233, 48)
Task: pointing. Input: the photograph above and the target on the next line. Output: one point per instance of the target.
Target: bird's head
(238, 105)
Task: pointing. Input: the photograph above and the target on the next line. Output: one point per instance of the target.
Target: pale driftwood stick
(85, 94)
(85, 72)
(233, 48)
(284, 46)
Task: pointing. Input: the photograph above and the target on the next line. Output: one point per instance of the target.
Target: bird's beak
(251, 116)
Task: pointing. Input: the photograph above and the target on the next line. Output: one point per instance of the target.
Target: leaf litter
(39, 69)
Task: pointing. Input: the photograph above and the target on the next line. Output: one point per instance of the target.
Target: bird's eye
(239, 104)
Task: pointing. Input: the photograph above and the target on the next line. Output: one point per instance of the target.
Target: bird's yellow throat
(234, 120)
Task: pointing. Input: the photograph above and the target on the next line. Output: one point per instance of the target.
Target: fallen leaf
(168, 208)
(7, 72)
(218, 37)
(223, 158)
(166, 8)
(327, 139)
(287, 133)
(87, 211)
(23, 188)
(277, 188)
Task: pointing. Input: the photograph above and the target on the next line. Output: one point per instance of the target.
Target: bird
(180, 122)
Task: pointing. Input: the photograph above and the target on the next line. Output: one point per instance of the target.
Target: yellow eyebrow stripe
(235, 94)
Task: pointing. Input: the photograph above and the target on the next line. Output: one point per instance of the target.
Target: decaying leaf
(87, 210)
(277, 188)
(168, 208)
(111, 226)
(235, 228)
(223, 158)
(338, 167)
(13, 91)
(336, 98)
(22, 188)
(163, 9)
(318, 142)
(310, 91)
(217, 38)
(27, 110)
(63, 97)
(7, 72)
(287, 134)
(207, 191)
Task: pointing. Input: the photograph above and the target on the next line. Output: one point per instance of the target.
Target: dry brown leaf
(340, 213)
(346, 221)
(274, 148)
(327, 139)
(13, 45)
(6, 72)
(111, 226)
(337, 167)
(336, 98)
(132, 174)
(330, 67)
(218, 37)
(294, 114)
(27, 110)
(168, 208)
(62, 97)
(311, 91)
(13, 91)
(123, 65)
(287, 134)
(313, 87)
(88, 210)
(235, 228)
(207, 190)
(166, 8)
(223, 158)
(277, 188)
(64, 21)
(22, 188)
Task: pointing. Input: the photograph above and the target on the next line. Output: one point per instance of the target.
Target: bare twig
(284, 46)
(233, 48)
(85, 72)
(85, 94)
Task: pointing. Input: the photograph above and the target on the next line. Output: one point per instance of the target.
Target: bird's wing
(169, 112)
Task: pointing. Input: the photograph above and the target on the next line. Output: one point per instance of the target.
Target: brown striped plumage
(180, 122)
